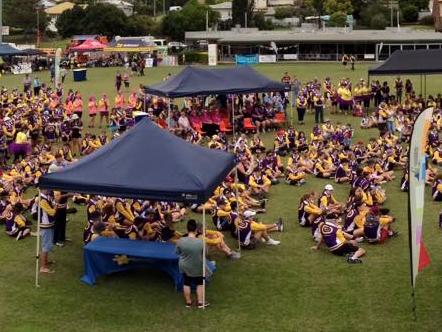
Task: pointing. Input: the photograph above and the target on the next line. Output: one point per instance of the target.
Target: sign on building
(213, 54)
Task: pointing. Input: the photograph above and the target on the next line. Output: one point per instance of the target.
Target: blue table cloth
(105, 256)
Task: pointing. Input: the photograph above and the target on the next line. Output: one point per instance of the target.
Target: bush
(410, 13)
(378, 22)
(284, 12)
(196, 57)
(369, 12)
(338, 19)
(261, 23)
(427, 20)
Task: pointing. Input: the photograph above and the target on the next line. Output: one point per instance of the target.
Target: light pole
(38, 26)
(1, 21)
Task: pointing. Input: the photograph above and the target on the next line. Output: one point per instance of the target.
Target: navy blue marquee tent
(146, 163)
(410, 62)
(6, 49)
(194, 81)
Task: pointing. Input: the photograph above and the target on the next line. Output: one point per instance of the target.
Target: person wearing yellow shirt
(328, 202)
(294, 176)
(259, 183)
(437, 156)
(308, 210)
(47, 219)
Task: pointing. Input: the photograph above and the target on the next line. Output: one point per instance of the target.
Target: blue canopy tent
(195, 81)
(6, 49)
(145, 163)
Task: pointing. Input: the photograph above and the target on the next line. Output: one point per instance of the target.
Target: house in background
(265, 6)
(55, 11)
(224, 9)
(126, 7)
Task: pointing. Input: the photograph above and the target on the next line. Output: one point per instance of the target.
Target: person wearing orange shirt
(92, 110)
(103, 109)
(119, 100)
(78, 105)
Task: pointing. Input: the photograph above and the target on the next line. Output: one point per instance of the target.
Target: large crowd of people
(43, 131)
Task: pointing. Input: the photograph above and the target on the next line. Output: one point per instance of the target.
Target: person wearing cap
(260, 230)
(328, 202)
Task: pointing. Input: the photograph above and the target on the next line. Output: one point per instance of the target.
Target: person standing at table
(190, 251)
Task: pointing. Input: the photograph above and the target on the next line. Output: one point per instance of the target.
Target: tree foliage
(374, 16)
(191, 18)
(338, 19)
(284, 12)
(103, 19)
(241, 8)
(410, 13)
(22, 14)
(338, 6)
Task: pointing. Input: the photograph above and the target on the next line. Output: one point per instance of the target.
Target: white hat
(75, 117)
(249, 213)
(328, 187)
(6, 118)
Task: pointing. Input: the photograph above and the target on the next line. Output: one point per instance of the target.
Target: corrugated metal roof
(60, 8)
(388, 35)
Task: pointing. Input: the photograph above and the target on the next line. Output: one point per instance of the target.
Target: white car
(176, 45)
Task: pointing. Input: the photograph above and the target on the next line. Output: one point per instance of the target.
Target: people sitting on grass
(51, 124)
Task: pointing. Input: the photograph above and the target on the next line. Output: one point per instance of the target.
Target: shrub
(378, 22)
(410, 13)
(427, 20)
(284, 12)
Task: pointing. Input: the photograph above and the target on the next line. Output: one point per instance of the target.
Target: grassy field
(284, 288)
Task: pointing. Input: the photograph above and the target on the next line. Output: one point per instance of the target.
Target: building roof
(60, 8)
(222, 5)
(243, 36)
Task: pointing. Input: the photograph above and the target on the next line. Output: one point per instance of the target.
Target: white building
(224, 9)
(126, 7)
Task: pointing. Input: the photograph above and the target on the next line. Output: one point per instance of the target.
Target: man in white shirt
(183, 122)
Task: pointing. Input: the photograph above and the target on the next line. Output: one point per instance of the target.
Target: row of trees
(103, 19)
(109, 20)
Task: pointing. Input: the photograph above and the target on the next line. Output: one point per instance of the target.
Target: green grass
(285, 288)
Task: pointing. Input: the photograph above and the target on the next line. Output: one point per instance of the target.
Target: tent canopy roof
(146, 163)
(411, 62)
(89, 45)
(6, 49)
(194, 81)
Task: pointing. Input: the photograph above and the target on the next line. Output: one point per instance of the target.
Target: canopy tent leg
(236, 170)
(37, 248)
(168, 115)
(204, 256)
(421, 85)
(291, 107)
